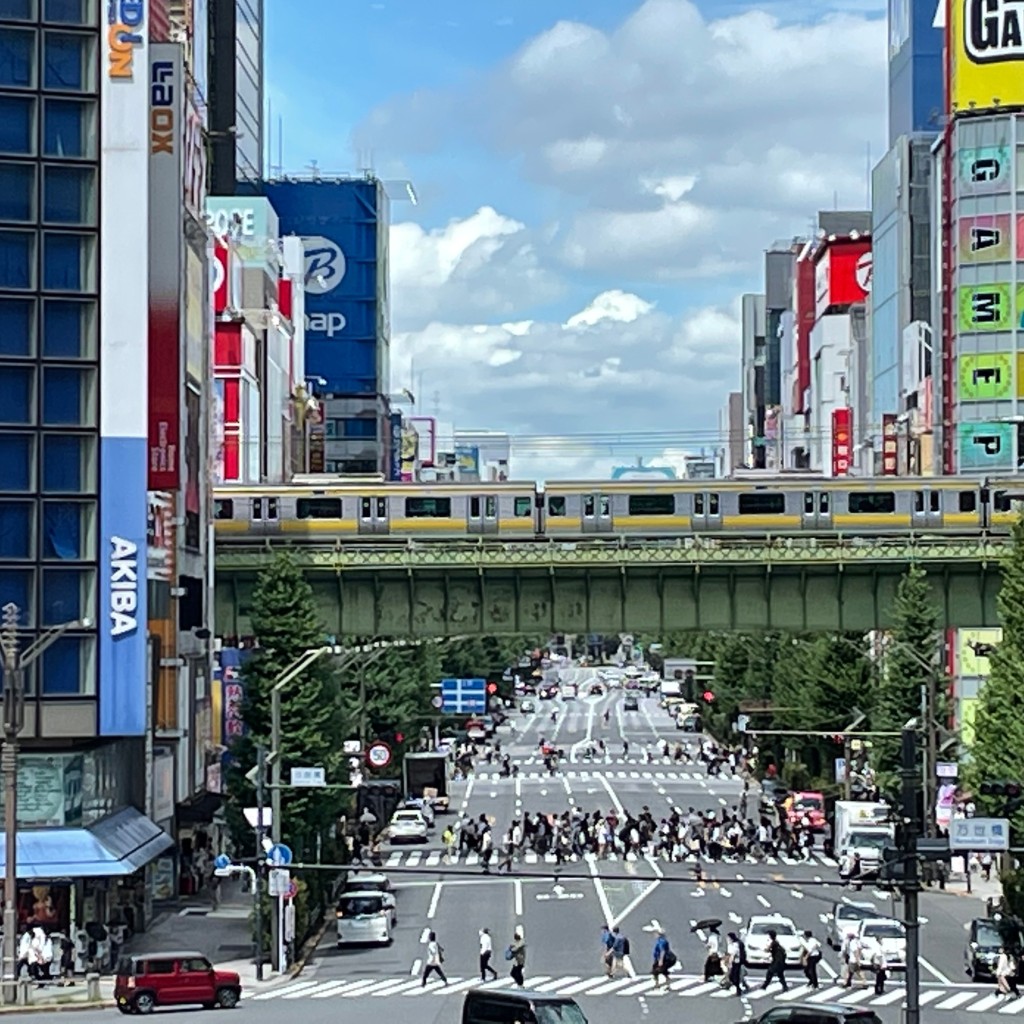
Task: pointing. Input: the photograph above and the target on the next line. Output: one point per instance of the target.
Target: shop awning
(116, 846)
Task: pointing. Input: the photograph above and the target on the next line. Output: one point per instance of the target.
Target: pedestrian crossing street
(611, 772)
(436, 858)
(962, 998)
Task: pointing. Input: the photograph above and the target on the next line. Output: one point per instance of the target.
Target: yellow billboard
(969, 664)
(986, 39)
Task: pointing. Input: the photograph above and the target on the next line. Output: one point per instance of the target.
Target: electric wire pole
(911, 885)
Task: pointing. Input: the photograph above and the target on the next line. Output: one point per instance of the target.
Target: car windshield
(862, 841)
(559, 1013)
(854, 913)
(779, 927)
(808, 803)
(888, 930)
(988, 935)
(412, 816)
(358, 906)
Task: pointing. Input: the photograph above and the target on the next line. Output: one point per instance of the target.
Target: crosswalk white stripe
(684, 982)
(329, 988)
(890, 997)
(707, 986)
(641, 986)
(497, 983)
(281, 992)
(395, 859)
(397, 988)
(797, 992)
(829, 995)
(856, 996)
(955, 1000)
(433, 858)
(1014, 1007)
(472, 858)
(301, 993)
(611, 986)
(423, 990)
(985, 1004)
(583, 986)
(459, 986)
(550, 986)
(930, 997)
(413, 859)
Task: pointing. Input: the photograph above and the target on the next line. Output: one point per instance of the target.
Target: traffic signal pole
(911, 882)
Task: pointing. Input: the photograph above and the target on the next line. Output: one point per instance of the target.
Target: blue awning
(116, 846)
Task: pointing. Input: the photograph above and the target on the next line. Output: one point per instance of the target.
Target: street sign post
(979, 834)
(279, 881)
(464, 696)
(308, 778)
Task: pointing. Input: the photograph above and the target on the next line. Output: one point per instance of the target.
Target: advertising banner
(395, 448)
(842, 441)
(196, 320)
(160, 538)
(985, 239)
(843, 275)
(986, 40)
(165, 244)
(124, 372)
(984, 170)
(252, 225)
(220, 271)
(987, 376)
(985, 446)
(410, 448)
(467, 461)
(890, 445)
(988, 307)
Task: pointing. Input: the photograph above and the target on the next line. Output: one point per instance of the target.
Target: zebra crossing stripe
(458, 986)
(395, 988)
(284, 992)
(1015, 1007)
(955, 1000)
(582, 986)
(855, 997)
(985, 1004)
(930, 997)
(891, 997)
(829, 995)
(550, 986)
(332, 988)
(643, 986)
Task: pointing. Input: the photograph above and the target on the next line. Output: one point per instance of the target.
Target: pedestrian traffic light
(492, 688)
(399, 737)
(1009, 790)
(709, 697)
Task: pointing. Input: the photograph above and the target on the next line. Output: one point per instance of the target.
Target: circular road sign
(437, 702)
(293, 889)
(378, 755)
(222, 861)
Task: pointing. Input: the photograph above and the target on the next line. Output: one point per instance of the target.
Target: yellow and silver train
(564, 510)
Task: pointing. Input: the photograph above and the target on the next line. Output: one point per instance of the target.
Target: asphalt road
(561, 912)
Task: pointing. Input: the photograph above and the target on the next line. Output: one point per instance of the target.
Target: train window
(588, 506)
(474, 508)
(257, 508)
(698, 504)
(652, 504)
(1001, 502)
(223, 508)
(712, 504)
(823, 504)
(605, 506)
(556, 506)
(868, 502)
(968, 501)
(522, 508)
(364, 508)
(428, 508)
(490, 507)
(918, 501)
(382, 508)
(808, 503)
(271, 508)
(934, 501)
(759, 504)
(318, 508)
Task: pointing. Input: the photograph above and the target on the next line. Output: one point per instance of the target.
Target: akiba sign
(842, 275)
(124, 587)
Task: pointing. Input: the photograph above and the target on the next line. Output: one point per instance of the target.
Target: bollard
(23, 989)
(92, 987)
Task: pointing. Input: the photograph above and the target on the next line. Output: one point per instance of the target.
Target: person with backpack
(776, 962)
(435, 957)
(664, 961)
(713, 960)
(736, 963)
(516, 953)
(620, 950)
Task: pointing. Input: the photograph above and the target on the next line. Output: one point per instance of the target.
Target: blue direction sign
(279, 855)
(464, 696)
(222, 861)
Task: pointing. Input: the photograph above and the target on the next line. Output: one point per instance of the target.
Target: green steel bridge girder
(406, 589)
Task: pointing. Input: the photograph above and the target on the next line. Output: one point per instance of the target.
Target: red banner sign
(842, 275)
(842, 441)
(890, 446)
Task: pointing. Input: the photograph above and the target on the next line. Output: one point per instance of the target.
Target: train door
(597, 513)
(483, 513)
(373, 515)
(265, 517)
(707, 511)
(817, 512)
(926, 510)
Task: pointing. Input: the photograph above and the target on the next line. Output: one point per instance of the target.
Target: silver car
(844, 921)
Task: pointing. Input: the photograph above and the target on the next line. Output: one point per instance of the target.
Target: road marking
(612, 986)
(435, 898)
(611, 793)
(725, 892)
(985, 1004)
(300, 989)
(424, 936)
(517, 891)
(796, 894)
(939, 976)
(416, 965)
(582, 986)
(890, 997)
(763, 901)
(548, 986)
(954, 1000)
(735, 918)
(333, 988)
(602, 897)
(352, 989)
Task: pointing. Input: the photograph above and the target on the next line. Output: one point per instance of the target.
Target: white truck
(862, 827)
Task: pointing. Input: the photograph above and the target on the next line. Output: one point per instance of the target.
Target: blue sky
(630, 167)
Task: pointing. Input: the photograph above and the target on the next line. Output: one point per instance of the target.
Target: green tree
(998, 749)
(908, 664)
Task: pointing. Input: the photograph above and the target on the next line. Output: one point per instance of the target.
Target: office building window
(17, 464)
(18, 10)
(17, 586)
(17, 259)
(69, 129)
(17, 395)
(70, 12)
(69, 263)
(68, 667)
(17, 125)
(67, 595)
(359, 428)
(69, 62)
(17, 322)
(16, 529)
(17, 192)
(67, 531)
(17, 58)
(69, 396)
(69, 328)
(69, 195)
(69, 463)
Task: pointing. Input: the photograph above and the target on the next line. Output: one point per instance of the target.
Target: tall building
(755, 360)
(779, 268)
(75, 132)
(236, 93)
(916, 72)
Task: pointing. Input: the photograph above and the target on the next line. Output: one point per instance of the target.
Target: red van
(148, 980)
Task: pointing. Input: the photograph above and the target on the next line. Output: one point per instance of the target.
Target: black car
(985, 937)
(817, 1013)
(484, 1006)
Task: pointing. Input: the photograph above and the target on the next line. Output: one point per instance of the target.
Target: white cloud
(622, 307)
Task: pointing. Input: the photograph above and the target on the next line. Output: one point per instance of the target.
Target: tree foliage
(998, 749)
(909, 664)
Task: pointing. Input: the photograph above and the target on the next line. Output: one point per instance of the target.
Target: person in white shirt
(486, 951)
(1006, 973)
(435, 957)
(810, 954)
(713, 961)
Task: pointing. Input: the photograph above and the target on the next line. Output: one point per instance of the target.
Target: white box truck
(863, 827)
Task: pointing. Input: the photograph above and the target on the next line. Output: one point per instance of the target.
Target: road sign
(279, 855)
(464, 696)
(222, 860)
(279, 882)
(979, 834)
(252, 816)
(309, 777)
(351, 747)
(947, 770)
(437, 701)
(379, 755)
(293, 889)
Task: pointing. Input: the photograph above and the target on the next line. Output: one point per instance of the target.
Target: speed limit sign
(378, 755)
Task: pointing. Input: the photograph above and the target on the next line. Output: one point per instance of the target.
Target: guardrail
(620, 552)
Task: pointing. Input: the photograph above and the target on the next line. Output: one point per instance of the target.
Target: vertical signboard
(165, 244)
(124, 322)
(890, 445)
(395, 450)
(842, 445)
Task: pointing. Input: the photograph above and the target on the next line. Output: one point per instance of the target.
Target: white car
(889, 935)
(408, 826)
(844, 921)
(364, 918)
(756, 939)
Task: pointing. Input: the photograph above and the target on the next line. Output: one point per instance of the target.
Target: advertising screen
(344, 228)
(987, 54)
(985, 446)
(842, 441)
(843, 275)
(124, 372)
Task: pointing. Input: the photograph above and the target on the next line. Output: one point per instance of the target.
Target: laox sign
(842, 275)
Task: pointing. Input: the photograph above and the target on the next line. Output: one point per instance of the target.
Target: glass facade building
(49, 306)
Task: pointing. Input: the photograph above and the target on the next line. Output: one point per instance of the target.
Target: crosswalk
(971, 999)
(437, 859)
(648, 774)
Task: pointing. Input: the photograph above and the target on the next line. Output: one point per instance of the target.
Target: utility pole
(911, 882)
(848, 771)
(257, 892)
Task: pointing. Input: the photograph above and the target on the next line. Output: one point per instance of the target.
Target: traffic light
(399, 737)
(1007, 790)
(708, 696)
(492, 688)
(891, 867)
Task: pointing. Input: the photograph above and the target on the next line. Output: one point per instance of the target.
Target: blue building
(916, 99)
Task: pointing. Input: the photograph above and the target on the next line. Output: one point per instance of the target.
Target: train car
(380, 510)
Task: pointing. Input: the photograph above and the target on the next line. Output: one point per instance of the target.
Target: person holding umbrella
(713, 946)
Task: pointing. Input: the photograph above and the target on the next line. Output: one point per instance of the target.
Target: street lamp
(15, 662)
